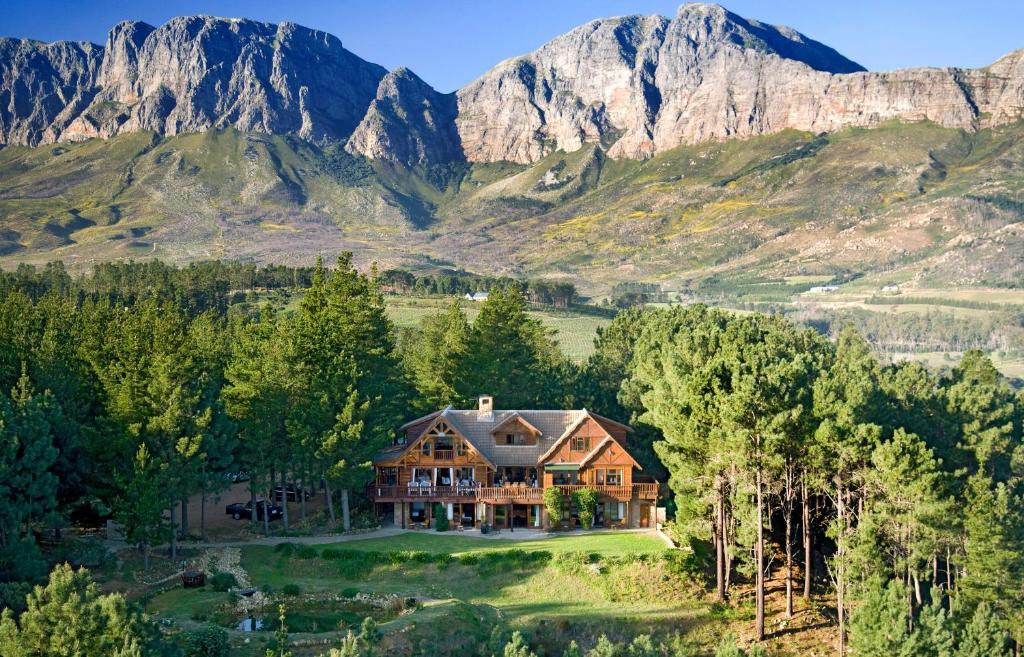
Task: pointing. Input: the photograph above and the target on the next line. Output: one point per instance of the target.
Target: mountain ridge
(637, 84)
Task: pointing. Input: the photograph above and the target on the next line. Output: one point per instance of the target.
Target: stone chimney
(485, 404)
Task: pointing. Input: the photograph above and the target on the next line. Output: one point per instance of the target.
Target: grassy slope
(908, 203)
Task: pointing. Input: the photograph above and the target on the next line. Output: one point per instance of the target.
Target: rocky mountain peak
(408, 122)
(194, 73)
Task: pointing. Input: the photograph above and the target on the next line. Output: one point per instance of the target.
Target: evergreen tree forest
(891, 494)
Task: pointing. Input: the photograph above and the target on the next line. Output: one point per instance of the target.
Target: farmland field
(575, 331)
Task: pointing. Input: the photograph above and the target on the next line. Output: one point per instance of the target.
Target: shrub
(223, 581)
(286, 549)
(728, 647)
(585, 500)
(553, 504)
(291, 589)
(207, 641)
(306, 552)
(441, 523)
(349, 592)
(331, 554)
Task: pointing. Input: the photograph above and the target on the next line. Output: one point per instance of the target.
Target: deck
(511, 494)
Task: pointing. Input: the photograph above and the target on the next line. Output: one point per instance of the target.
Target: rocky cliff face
(196, 73)
(409, 123)
(650, 84)
(636, 84)
(630, 80)
(43, 87)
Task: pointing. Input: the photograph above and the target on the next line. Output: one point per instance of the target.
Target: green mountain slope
(914, 203)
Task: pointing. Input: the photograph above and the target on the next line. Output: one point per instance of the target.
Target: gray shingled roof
(477, 426)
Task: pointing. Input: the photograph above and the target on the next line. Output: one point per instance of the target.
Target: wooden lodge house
(491, 467)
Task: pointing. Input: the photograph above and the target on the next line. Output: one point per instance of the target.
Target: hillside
(900, 203)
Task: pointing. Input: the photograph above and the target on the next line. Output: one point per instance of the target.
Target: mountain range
(632, 148)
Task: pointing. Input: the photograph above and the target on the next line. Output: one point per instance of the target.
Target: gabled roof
(478, 428)
(516, 417)
(398, 450)
(604, 443)
(562, 438)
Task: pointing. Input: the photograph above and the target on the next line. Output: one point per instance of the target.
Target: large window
(580, 444)
(564, 478)
(613, 476)
(387, 476)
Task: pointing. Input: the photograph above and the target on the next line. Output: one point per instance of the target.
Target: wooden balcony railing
(525, 494)
(394, 492)
(508, 494)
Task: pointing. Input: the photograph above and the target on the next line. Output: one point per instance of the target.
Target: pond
(312, 617)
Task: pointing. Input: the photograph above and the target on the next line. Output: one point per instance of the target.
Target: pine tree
(984, 636)
(28, 487)
(517, 647)
(512, 356)
(878, 625)
(348, 376)
(71, 616)
(436, 358)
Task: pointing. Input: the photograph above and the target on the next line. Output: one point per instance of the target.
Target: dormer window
(516, 439)
(515, 430)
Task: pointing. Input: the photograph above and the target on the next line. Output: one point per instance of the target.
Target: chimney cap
(485, 403)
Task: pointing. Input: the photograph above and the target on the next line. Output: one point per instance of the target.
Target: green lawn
(619, 584)
(605, 544)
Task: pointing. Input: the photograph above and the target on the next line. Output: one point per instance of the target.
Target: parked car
(292, 491)
(236, 477)
(240, 510)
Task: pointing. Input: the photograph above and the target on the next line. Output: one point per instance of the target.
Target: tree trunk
(174, 532)
(284, 500)
(808, 553)
(330, 501)
(759, 559)
(202, 512)
(252, 501)
(949, 580)
(720, 540)
(266, 505)
(841, 567)
(346, 519)
(184, 518)
(303, 480)
(788, 509)
(145, 556)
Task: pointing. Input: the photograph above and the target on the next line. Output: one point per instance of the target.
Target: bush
(331, 554)
(223, 581)
(585, 500)
(291, 589)
(207, 641)
(349, 592)
(441, 518)
(306, 552)
(286, 549)
(553, 504)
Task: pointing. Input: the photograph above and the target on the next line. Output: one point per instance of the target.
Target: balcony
(511, 494)
(382, 493)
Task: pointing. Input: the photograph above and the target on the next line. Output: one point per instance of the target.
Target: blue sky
(450, 42)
